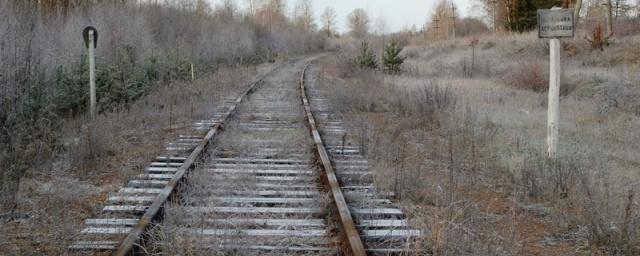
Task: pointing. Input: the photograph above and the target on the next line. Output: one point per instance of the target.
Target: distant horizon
(398, 14)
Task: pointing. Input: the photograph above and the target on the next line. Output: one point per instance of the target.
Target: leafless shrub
(368, 93)
(562, 207)
(426, 101)
(528, 74)
(612, 216)
(627, 27)
(551, 178)
(470, 26)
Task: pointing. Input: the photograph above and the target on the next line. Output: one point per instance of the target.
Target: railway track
(382, 224)
(265, 187)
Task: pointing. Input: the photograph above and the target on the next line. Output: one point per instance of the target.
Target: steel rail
(348, 227)
(126, 247)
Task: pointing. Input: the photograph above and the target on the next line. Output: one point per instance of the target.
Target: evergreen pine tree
(366, 58)
(524, 13)
(392, 59)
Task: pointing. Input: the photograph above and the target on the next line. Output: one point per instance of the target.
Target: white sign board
(555, 23)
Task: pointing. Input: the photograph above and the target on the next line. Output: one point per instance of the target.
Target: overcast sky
(399, 14)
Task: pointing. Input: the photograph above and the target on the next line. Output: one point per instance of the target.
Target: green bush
(72, 88)
(366, 58)
(392, 59)
(118, 84)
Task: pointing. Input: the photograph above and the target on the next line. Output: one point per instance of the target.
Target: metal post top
(90, 32)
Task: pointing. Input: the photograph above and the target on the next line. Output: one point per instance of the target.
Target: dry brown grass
(476, 175)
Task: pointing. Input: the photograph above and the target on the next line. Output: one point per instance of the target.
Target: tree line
(142, 45)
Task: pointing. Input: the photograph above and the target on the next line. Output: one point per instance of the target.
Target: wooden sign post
(90, 35)
(554, 24)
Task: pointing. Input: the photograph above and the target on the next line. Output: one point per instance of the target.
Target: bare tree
(443, 20)
(358, 22)
(497, 12)
(328, 19)
(622, 9)
(381, 29)
(576, 11)
(227, 11)
(271, 13)
(303, 15)
(252, 7)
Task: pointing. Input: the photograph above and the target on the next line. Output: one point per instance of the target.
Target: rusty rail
(348, 227)
(126, 247)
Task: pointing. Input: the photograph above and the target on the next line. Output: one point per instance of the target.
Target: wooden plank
(344, 151)
(130, 199)
(269, 122)
(182, 144)
(270, 129)
(205, 123)
(125, 208)
(396, 251)
(189, 141)
(106, 231)
(273, 200)
(382, 223)
(140, 190)
(352, 162)
(172, 158)
(270, 125)
(161, 169)
(155, 176)
(355, 173)
(111, 222)
(165, 164)
(390, 233)
(170, 148)
(358, 188)
(268, 192)
(262, 160)
(377, 193)
(280, 179)
(261, 166)
(334, 147)
(258, 210)
(195, 137)
(377, 211)
(262, 222)
(353, 167)
(94, 245)
(279, 248)
(333, 129)
(256, 232)
(251, 185)
(148, 183)
(280, 172)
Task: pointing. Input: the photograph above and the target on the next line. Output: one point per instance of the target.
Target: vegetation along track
(264, 187)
